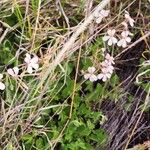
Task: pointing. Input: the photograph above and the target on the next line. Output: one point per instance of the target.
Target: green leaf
(99, 136)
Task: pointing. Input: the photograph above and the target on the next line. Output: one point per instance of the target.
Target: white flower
(125, 39)
(90, 75)
(32, 63)
(109, 59)
(129, 19)
(110, 37)
(103, 76)
(2, 85)
(101, 14)
(107, 67)
(13, 71)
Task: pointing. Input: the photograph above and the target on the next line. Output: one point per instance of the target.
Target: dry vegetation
(46, 102)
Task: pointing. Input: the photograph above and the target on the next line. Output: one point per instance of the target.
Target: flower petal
(99, 20)
(35, 66)
(93, 78)
(114, 40)
(100, 76)
(105, 13)
(124, 44)
(16, 70)
(120, 42)
(29, 69)
(104, 78)
(110, 42)
(91, 70)
(35, 59)
(2, 86)
(128, 39)
(10, 72)
(87, 76)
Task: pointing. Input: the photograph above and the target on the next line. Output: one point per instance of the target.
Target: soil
(121, 122)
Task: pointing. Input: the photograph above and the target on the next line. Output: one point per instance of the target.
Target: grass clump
(74, 74)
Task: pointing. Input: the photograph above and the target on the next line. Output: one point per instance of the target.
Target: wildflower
(13, 71)
(107, 68)
(110, 37)
(125, 39)
(2, 85)
(109, 59)
(90, 75)
(101, 14)
(32, 63)
(104, 76)
(129, 19)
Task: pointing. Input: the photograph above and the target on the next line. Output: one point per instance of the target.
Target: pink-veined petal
(100, 76)
(108, 75)
(93, 78)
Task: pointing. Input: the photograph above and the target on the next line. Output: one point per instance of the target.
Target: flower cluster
(32, 63)
(125, 35)
(99, 15)
(106, 70)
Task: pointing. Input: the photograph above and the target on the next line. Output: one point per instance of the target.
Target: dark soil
(121, 122)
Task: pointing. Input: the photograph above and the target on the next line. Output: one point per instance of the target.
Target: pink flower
(107, 68)
(125, 39)
(103, 76)
(2, 85)
(101, 14)
(13, 71)
(109, 58)
(32, 63)
(90, 75)
(110, 37)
